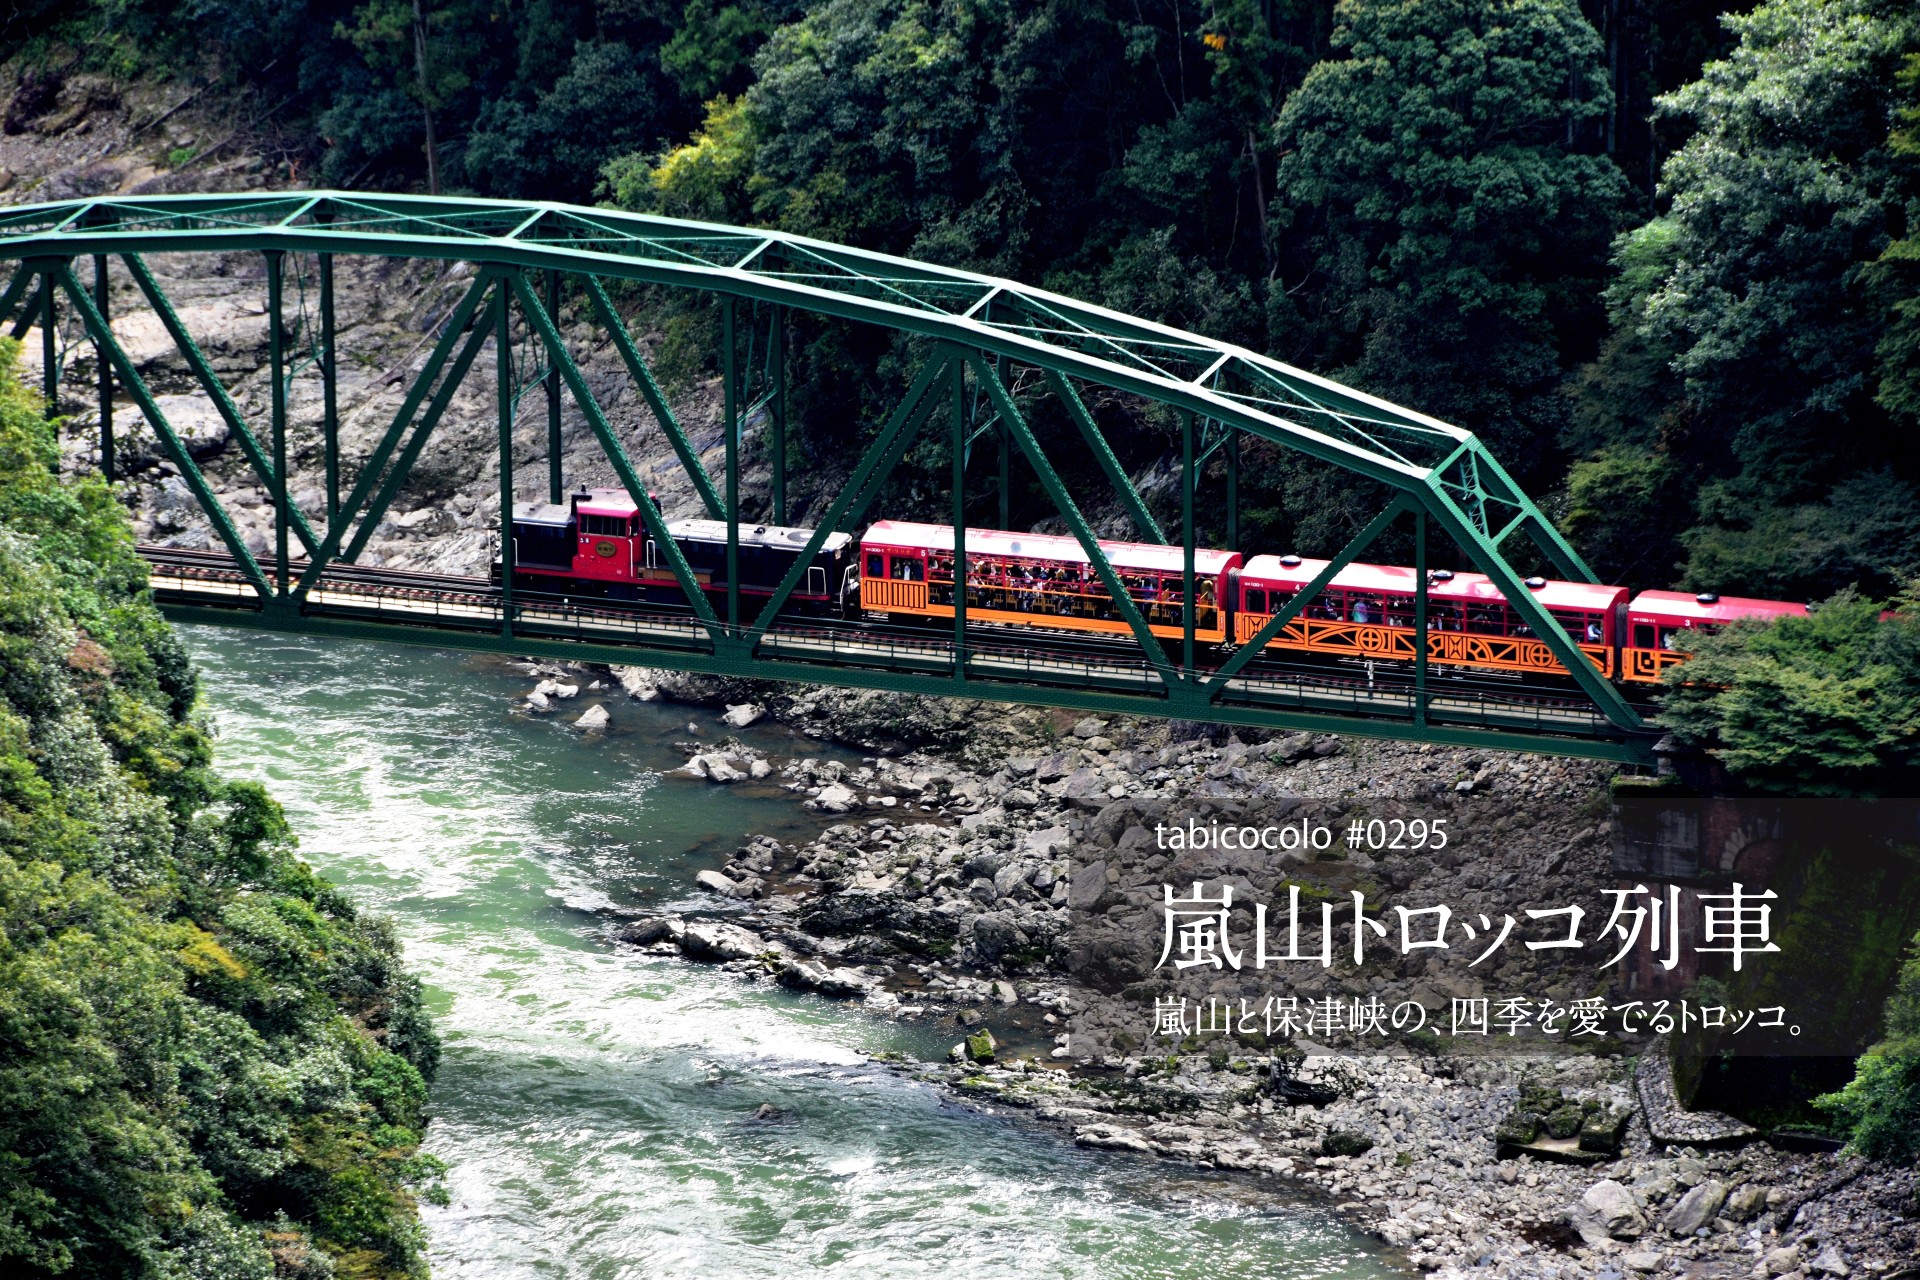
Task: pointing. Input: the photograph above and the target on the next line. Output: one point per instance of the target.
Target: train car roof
(546, 513)
(605, 502)
(1462, 588)
(1048, 546)
(754, 535)
(1680, 606)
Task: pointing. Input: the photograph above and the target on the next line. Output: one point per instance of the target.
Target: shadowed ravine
(596, 1108)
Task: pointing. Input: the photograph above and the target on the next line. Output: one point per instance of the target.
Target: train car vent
(1534, 584)
(759, 528)
(1291, 562)
(1708, 597)
(1441, 575)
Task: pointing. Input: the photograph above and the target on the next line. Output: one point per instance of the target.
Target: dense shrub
(1881, 1106)
(198, 1036)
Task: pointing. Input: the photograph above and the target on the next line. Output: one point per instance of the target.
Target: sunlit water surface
(596, 1107)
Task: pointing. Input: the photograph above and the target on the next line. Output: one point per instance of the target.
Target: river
(597, 1107)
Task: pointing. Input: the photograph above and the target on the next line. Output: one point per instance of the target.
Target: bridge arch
(979, 326)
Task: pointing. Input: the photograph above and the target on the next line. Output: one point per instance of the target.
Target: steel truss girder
(1440, 472)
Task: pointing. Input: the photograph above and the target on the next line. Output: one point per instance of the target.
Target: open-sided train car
(1040, 580)
(596, 544)
(1367, 611)
(1656, 619)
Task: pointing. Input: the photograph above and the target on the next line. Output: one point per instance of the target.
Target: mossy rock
(1604, 1131)
(980, 1046)
(1345, 1142)
(1519, 1128)
(1565, 1122)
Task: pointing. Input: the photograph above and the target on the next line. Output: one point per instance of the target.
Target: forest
(212, 1066)
(1661, 256)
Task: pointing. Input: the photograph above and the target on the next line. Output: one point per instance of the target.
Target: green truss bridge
(986, 347)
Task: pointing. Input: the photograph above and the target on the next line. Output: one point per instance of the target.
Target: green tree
(609, 101)
(197, 1034)
(1451, 211)
(1827, 704)
(1748, 329)
(1881, 1105)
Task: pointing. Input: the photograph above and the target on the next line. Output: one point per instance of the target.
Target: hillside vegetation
(210, 1063)
(1660, 255)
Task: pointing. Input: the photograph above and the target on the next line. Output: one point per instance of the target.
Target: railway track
(996, 654)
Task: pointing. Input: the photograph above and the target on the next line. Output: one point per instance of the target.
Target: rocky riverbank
(999, 869)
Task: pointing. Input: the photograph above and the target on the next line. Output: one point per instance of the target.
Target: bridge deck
(468, 613)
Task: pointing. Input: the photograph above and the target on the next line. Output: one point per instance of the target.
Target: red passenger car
(1367, 612)
(1656, 619)
(1040, 580)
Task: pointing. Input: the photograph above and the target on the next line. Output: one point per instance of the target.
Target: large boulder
(834, 798)
(1088, 888)
(811, 975)
(1607, 1211)
(742, 714)
(717, 940)
(593, 719)
(1696, 1208)
(714, 882)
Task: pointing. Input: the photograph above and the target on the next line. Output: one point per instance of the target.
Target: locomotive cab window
(604, 526)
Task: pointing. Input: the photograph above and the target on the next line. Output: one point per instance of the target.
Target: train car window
(876, 565)
(1643, 635)
(1256, 601)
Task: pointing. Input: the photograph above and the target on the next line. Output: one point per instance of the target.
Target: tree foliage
(1826, 704)
(1751, 336)
(199, 1034)
(1443, 169)
(1881, 1104)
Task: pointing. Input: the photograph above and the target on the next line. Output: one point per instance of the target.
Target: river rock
(592, 719)
(1112, 1137)
(740, 715)
(1746, 1203)
(717, 940)
(812, 975)
(537, 701)
(1044, 844)
(1606, 1211)
(653, 929)
(638, 682)
(1828, 1262)
(1088, 887)
(834, 798)
(759, 769)
(1696, 1208)
(717, 883)
(717, 768)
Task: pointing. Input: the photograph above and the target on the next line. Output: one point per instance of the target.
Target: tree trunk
(426, 95)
